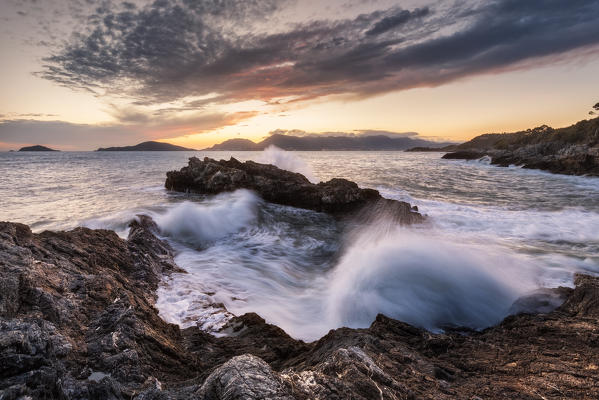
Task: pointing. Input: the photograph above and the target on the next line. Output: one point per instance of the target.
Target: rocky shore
(77, 321)
(338, 196)
(573, 150)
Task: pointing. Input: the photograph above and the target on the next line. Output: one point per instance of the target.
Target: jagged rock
(584, 301)
(81, 302)
(337, 196)
(77, 321)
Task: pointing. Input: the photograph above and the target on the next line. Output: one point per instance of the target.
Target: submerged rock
(464, 155)
(77, 321)
(336, 196)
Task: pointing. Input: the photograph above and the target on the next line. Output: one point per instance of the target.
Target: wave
(287, 161)
(299, 272)
(426, 281)
(486, 160)
(201, 223)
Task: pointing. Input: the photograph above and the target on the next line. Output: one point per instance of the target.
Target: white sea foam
(288, 161)
(484, 160)
(422, 276)
(426, 280)
(199, 223)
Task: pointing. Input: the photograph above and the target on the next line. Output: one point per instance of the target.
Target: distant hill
(572, 150)
(582, 133)
(237, 145)
(148, 146)
(316, 143)
(37, 147)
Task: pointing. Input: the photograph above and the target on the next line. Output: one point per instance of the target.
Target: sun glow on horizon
(372, 66)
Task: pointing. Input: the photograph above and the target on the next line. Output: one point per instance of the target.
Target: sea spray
(296, 269)
(200, 223)
(425, 280)
(288, 161)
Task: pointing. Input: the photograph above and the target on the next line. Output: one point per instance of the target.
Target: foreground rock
(77, 321)
(337, 196)
(573, 150)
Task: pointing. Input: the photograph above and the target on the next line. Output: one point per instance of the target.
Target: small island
(148, 146)
(37, 147)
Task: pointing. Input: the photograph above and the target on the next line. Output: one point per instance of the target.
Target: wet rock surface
(77, 321)
(573, 150)
(337, 196)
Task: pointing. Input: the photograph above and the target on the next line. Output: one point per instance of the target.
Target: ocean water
(492, 235)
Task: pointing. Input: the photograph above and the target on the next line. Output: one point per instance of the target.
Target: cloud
(65, 135)
(25, 115)
(70, 136)
(169, 50)
(398, 18)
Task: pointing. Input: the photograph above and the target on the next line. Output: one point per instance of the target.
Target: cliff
(573, 150)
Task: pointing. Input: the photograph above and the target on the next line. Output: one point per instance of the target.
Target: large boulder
(336, 196)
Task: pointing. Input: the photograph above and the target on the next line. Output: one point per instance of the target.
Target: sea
(492, 235)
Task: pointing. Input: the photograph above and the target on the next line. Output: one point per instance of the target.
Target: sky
(83, 74)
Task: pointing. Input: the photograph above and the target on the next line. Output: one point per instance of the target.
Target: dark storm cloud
(396, 19)
(173, 49)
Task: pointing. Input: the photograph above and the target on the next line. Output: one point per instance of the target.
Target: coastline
(82, 323)
(572, 150)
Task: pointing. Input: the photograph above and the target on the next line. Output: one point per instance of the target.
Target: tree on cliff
(595, 110)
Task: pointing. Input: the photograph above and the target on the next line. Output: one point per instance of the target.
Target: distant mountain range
(148, 146)
(316, 143)
(37, 147)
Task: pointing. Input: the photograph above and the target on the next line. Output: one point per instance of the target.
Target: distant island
(331, 143)
(37, 147)
(573, 150)
(148, 146)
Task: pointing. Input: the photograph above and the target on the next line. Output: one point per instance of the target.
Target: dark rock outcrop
(77, 321)
(337, 196)
(419, 149)
(464, 155)
(573, 150)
